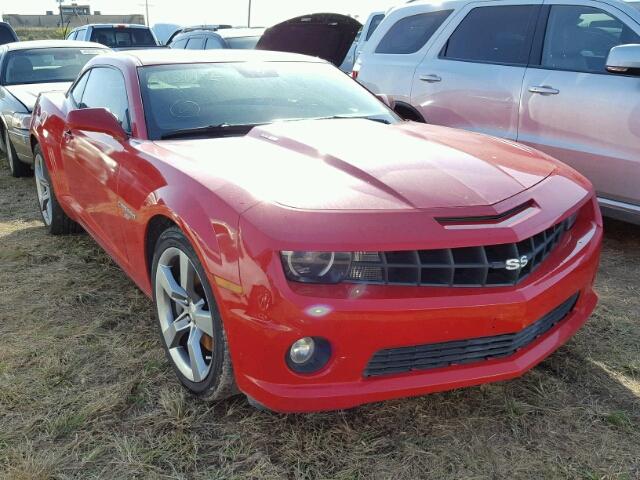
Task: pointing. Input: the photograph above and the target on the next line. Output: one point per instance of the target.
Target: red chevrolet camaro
(304, 246)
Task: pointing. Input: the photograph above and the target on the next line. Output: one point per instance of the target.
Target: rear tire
(55, 220)
(17, 167)
(189, 322)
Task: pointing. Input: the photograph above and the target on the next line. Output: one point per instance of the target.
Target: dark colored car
(7, 34)
(216, 37)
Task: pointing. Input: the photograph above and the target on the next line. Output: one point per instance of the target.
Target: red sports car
(302, 244)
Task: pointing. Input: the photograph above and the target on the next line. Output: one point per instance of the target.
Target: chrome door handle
(544, 90)
(430, 78)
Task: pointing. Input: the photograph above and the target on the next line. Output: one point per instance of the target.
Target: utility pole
(61, 16)
(146, 6)
(249, 17)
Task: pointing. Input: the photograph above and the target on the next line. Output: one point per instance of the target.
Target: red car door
(92, 160)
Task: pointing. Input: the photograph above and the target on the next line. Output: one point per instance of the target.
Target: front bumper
(21, 142)
(360, 320)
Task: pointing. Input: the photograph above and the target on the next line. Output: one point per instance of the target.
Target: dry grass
(34, 33)
(86, 393)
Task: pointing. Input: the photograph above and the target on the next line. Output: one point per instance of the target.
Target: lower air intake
(436, 355)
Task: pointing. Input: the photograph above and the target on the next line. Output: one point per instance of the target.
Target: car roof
(240, 32)
(111, 25)
(224, 32)
(167, 56)
(454, 4)
(33, 44)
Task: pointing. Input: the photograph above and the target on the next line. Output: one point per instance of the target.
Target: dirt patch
(85, 391)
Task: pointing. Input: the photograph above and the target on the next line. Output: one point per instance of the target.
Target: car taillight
(354, 74)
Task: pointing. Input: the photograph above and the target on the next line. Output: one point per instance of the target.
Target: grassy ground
(86, 393)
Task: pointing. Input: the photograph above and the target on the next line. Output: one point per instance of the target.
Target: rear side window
(410, 34)
(196, 43)
(375, 23)
(494, 35)
(72, 36)
(214, 43)
(179, 43)
(106, 89)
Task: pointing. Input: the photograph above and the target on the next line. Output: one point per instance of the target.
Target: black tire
(219, 383)
(59, 223)
(17, 167)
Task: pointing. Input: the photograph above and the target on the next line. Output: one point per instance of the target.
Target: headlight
(316, 267)
(21, 121)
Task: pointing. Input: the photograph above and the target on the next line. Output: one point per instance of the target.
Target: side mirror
(387, 100)
(624, 59)
(98, 120)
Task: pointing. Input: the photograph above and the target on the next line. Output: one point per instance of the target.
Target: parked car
(7, 34)
(310, 269)
(216, 37)
(554, 76)
(26, 70)
(372, 23)
(328, 36)
(116, 36)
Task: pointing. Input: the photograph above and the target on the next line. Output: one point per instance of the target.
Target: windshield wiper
(350, 117)
(221, 130)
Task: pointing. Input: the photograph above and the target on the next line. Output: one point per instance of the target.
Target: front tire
(55, 220)
(17, 167)
(189, 321)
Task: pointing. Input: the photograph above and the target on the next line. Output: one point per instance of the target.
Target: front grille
(436, 355)
(484, 266)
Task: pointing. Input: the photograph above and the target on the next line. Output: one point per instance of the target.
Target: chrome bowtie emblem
(517, 263)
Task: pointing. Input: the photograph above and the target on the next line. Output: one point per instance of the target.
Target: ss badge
(517, 263)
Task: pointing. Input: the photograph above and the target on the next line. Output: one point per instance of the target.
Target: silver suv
(560, 75)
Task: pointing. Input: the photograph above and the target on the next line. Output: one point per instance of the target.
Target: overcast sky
(189, 12)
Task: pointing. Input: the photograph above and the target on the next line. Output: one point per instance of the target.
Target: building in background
(72, 15)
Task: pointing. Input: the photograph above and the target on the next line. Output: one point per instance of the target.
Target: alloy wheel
(184, 314)
(44, 190)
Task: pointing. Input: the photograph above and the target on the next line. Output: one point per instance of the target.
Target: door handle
(544, 90)
(431, 78)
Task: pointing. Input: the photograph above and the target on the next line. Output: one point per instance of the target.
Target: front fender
(208, 223)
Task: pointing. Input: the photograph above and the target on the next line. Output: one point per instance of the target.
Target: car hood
(361, 165)
(28, 94)
(325, 35)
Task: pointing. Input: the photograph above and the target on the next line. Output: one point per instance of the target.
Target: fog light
(308, 355)
(302, 351)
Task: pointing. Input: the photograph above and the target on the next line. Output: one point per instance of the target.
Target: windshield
(45, 65)
(243, 43)
(123, 37)
(635, 5)
(186, 97)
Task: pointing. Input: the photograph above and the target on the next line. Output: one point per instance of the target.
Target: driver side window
(105, 88)
(579, 38)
